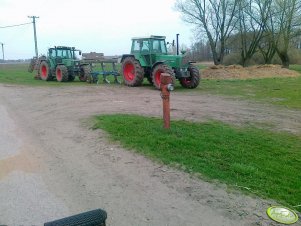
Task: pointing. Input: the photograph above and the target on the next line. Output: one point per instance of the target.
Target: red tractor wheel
(85, 72)
(44, 71)
(132, 72)
(61, 73)
(194, 79)
(156, 74)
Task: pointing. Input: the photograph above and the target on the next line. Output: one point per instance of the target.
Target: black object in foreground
(91, 218)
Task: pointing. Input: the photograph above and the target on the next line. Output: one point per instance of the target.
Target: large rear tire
(156, 74)
(61, 73)
(194, 80)
(132, 72)
(85, 72)
(44, 71)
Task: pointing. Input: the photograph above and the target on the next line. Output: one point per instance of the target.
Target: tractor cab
(63, 55)
(149, 45)
(148, 48)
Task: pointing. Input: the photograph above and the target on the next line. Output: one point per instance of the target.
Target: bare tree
(200, 51)
(215, 18)
(285, 25)
(252, 16)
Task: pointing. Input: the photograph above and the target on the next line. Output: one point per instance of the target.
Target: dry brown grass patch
(239, 72)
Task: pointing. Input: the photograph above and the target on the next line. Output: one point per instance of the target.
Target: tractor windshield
(64, 53)
(140, 45)
(159, 46)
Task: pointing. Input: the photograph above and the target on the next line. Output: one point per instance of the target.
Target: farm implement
(94, 59)
(62, 64)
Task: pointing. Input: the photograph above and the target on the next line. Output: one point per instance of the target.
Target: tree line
(268, 27)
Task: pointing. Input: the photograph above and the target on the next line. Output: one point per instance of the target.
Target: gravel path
(52, 165)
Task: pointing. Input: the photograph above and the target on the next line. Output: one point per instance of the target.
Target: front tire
(132, 72)
(44, 71)
(156, 74)
(61, 73)
(194, 80)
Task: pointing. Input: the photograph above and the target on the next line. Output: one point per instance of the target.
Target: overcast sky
(105, 26)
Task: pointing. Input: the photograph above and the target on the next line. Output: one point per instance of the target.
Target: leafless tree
(285, 26)
(252, 16)
(214, 18)
(200, 51)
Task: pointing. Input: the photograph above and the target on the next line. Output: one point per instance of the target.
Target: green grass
(268, 163)
(18, 74)
(279, 91)
(200, 66)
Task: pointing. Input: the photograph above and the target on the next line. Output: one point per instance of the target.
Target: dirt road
(52, 165)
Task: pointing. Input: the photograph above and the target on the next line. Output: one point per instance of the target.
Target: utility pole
(2, 51)
(35, 33)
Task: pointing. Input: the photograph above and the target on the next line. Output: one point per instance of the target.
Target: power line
(16, 25)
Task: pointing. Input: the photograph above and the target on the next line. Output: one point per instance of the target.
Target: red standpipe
(166, 86)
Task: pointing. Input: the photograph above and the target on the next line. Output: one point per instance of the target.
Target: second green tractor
(61, 63)
(149, 58)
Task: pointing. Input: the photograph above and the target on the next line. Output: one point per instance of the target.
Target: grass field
(267, 164)
(279, 91)
(18, 74)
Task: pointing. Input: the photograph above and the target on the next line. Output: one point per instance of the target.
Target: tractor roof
(150, 37)
(63, 47)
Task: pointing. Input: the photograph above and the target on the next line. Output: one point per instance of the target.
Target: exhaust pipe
(177, 44)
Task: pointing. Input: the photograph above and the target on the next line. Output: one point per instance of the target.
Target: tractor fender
(159, 62)
(126, 55)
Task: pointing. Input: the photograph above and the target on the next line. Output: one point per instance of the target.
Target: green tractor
(149, 58)
(61, 63)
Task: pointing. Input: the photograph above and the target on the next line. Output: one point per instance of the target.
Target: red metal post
(166, 86)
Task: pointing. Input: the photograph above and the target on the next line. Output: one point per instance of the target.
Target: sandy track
(61, 167)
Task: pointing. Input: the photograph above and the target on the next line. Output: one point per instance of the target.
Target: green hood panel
(171, 60)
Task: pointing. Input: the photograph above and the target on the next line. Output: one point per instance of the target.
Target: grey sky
(93, 25)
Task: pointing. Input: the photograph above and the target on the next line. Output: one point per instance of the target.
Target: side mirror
(80, 52)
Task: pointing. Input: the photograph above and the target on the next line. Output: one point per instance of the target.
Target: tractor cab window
(52, 53)
(159, 46)
(141, 45)
(64, 53)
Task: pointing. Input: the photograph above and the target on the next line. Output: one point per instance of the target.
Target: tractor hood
(174, 61)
